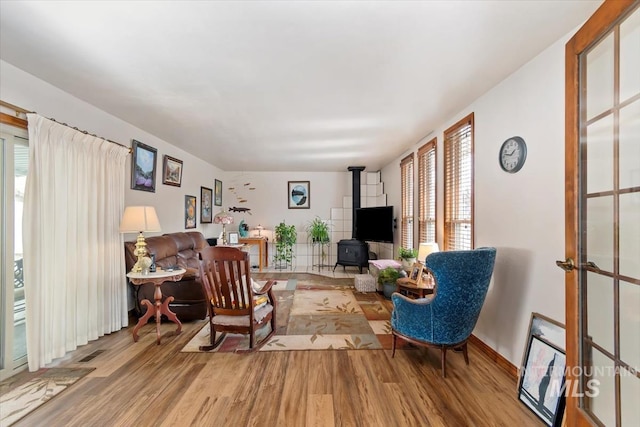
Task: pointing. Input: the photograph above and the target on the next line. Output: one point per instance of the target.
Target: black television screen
(374, 224)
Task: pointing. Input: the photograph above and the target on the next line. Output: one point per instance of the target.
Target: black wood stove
(352, 251)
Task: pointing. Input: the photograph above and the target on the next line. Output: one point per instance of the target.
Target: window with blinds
(458, 185)
(406, 171)
(427, 192)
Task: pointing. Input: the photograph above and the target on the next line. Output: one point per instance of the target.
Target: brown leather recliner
(172, 249)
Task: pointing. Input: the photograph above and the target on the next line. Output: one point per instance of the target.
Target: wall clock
(512, 154)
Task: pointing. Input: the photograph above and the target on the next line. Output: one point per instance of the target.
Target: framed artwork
(217, 200)
(171, 171)
(189, 211)
(416, 273)
(233, 238)
(143, 167)
(542, 385)
(206, 205)
(298, 194)
(546, 329)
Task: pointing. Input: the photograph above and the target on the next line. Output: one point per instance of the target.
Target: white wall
(521, 214)
(268, 202)
(28, 92)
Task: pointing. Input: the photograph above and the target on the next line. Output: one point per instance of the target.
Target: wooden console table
(157, 278)
(263, 248)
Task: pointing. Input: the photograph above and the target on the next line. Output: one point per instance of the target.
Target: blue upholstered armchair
(447, 318)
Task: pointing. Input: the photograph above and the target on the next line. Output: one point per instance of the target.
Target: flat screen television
(374, 224)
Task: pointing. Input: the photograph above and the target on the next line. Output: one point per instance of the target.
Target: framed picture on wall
(143, 167)
(298, 194)
(190, 212)
(171, 171)
(217, 198)
(206, 205)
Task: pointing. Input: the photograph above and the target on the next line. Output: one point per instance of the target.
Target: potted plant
(286, 237)
(408, 257)
(318, 231)
(387, 278)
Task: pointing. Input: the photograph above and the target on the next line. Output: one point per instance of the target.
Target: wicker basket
(365, 283)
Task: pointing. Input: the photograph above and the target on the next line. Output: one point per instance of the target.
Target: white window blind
(458, 185)
(406, 171)
(427, 192)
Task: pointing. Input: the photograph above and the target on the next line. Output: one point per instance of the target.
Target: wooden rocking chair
(234, 302)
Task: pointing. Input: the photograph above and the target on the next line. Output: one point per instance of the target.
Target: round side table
(157, 278)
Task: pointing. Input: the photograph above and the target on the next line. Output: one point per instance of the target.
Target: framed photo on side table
(233, 238)
(143, 167)
(417, 270)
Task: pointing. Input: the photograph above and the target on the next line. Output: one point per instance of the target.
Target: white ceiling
(282, 85)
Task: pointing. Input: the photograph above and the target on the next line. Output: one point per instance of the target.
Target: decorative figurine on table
(243, 229)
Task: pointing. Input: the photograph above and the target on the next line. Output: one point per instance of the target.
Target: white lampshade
(425, 249)
(137, 219)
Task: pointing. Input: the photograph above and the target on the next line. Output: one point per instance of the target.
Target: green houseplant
(318, 231)
(318, 234)
(387, 278)
(408, 257)
(286, 237)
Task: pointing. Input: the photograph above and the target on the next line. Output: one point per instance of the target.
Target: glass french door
(14, 155)
(602, 212)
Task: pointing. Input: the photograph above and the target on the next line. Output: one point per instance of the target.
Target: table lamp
(138, 219)
(425, 249)
(223, 218)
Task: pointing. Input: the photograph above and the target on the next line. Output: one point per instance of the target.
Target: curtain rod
(19, 110)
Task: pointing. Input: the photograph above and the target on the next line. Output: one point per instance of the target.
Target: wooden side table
(406, 287)
(263, 248)
(157, 278)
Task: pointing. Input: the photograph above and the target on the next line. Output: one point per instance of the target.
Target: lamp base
(224, 234)
(140, 251)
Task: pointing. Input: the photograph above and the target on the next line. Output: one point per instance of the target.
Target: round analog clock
(512, 154)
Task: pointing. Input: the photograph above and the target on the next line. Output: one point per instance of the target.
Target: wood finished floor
(143, 384)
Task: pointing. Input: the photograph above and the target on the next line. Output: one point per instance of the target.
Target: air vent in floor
(92, 355)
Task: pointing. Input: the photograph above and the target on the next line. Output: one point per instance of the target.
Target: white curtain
(74, 272)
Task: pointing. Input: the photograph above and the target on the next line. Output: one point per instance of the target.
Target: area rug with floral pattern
(317, 314)
(18, 398)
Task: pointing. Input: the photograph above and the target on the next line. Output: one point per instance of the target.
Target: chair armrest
(406, 299)
(265, 288)
(412, 317)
